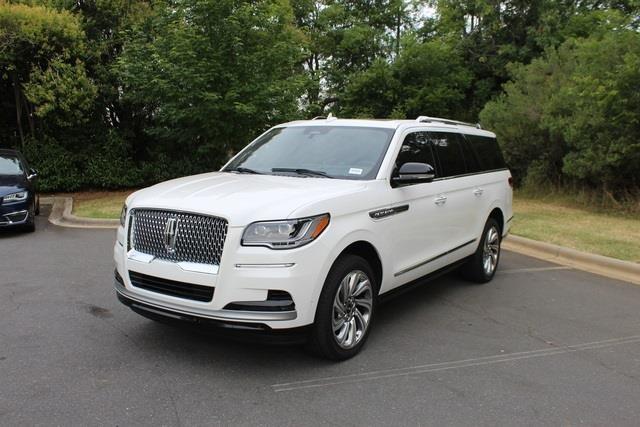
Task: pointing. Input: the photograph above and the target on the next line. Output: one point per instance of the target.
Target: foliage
(32, 40)
(572, 115)
(426, 78)
(121, 93)
(61, 95)
(213, 75)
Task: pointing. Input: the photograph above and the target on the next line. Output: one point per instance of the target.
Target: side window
(487, 151)
(449, 151)
(470, 158)
(416, 147)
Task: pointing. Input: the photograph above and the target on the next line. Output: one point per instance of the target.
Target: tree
(571, 117)
(425, 79)
(493, 35)
(32, 38)
(213, 74)
(345, 38)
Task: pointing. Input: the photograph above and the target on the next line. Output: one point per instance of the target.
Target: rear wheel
(482, 265)
(345, 309)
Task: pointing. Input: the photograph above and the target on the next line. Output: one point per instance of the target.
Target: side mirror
(414, 173)
(32, 174)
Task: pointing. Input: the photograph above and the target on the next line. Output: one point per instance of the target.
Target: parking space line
(532, 269)
(456, 364)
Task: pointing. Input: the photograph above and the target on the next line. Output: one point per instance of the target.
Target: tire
(482, 265)
(37, 209)
(30, 226)
(349, 313)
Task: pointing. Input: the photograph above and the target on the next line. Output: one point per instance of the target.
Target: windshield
(323, 151)
(10, 165)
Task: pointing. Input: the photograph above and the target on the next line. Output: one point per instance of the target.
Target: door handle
(478, 192)
(440, 200)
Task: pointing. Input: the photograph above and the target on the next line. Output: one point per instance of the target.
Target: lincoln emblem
(170, 234)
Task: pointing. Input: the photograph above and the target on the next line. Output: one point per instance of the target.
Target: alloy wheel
(352, 308)
(491, 251)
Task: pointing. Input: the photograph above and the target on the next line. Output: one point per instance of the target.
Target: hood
(243, 198)
(12, 184)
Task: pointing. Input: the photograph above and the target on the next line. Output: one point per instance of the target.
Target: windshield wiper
(245, 170)
(302, 171)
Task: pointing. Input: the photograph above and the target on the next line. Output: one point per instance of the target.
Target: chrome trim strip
(283, 265)
(139, 256)
(408, 269)
(10, 222)
(198, 268)
(444, 178)
(184, 265)
(231, 315)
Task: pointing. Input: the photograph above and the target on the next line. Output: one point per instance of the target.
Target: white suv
(306, 227)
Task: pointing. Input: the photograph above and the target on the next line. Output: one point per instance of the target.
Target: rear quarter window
(487, 152)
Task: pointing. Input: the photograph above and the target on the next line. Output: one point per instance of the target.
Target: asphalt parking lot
(541, 344)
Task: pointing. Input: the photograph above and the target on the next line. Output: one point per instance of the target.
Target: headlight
(123, 215)
(15, 197)
(285, 234)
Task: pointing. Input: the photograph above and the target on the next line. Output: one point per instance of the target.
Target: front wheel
(482, 265)
(345, 309)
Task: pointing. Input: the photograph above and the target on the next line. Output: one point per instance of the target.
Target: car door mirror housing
(32, 174)
(414, 173)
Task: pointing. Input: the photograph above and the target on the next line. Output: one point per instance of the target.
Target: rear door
(492, 182)
(459, 179)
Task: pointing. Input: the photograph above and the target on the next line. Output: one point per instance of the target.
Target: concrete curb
(598, 264)
(61, 215)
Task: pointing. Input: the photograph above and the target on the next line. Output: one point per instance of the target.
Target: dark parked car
(19, 202)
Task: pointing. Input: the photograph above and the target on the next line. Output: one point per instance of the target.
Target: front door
(418, 231)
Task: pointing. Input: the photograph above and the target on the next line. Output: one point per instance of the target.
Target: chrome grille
(199, 238)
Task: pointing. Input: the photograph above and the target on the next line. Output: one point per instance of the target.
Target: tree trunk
(398, 24)
(18, 100)
(29, 109)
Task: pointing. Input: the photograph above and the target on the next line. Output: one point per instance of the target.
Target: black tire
(474, 269)
(30, 225)
(323, 340)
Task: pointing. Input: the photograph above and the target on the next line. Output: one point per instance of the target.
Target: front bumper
(241, 284)
(13, 214)
(245, 331)
(200, 313)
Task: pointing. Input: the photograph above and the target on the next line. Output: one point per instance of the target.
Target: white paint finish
(425, 231)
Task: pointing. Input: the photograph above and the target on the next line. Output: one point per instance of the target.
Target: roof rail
(426, 119)
(329, 117)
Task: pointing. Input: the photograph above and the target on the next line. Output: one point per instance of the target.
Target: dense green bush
(123, 93)
(573, 116)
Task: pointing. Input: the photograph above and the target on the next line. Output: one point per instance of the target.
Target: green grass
(553, 220)
(103, 205)
(611, 234)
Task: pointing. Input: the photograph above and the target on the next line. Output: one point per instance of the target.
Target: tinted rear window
(470, 157)
(487, 151)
